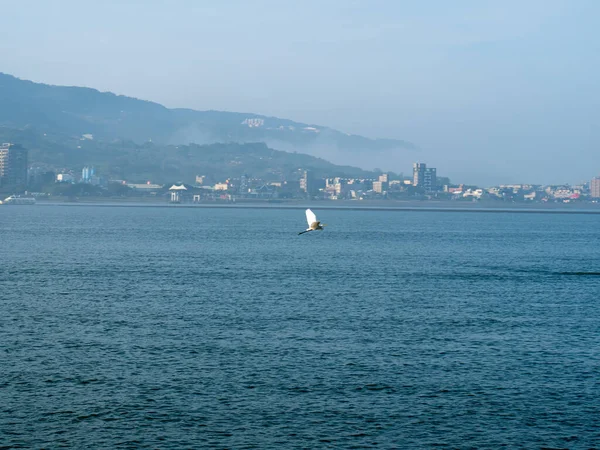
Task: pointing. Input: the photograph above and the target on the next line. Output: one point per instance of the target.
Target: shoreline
(426, 206)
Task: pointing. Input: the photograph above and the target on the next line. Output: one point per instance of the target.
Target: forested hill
(125, 159)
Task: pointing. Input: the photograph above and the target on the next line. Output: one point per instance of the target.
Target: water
(178, 328)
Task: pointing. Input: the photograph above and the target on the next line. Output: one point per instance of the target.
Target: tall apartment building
(379, 186)
(424, 177)
(307, 183)
(13, 166)
(595, 187)
(87, 173)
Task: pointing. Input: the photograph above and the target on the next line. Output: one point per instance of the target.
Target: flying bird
(313, 223)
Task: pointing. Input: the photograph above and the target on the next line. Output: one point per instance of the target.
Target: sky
(490, 91)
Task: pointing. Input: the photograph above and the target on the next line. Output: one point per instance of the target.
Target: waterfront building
(243, 184)
(144, 187)
(13, 166)
(65, 178)
(425, 177)
(87, 173)
(595, 187)
(335, 186)
(176, 192)
(382, 183)
(307, 183)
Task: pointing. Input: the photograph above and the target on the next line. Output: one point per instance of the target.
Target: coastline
(385, 205)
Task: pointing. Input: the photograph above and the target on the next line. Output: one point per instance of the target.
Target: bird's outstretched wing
(310, 217)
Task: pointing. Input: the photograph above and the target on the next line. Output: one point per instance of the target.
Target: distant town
(19, 178)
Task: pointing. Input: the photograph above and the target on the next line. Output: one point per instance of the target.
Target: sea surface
(181, 328)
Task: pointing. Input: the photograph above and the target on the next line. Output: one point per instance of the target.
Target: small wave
(581, 274)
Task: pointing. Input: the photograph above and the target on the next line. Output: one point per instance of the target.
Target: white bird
(313, 223)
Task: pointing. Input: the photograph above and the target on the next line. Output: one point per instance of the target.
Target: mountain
(161, 163)
(76, 111)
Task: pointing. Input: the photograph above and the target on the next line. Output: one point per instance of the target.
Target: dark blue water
(179, 328)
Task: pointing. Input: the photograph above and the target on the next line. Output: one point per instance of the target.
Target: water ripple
(184, 328)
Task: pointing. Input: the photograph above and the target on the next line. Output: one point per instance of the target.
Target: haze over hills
(75, 111)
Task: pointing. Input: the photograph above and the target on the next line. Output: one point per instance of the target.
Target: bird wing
(310, 217)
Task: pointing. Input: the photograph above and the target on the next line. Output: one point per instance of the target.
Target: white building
(65, 178)
(176, 193)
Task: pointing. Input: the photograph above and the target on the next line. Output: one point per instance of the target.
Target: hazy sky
(491, 91)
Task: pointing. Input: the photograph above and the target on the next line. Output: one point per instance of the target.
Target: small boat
(18, 200)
